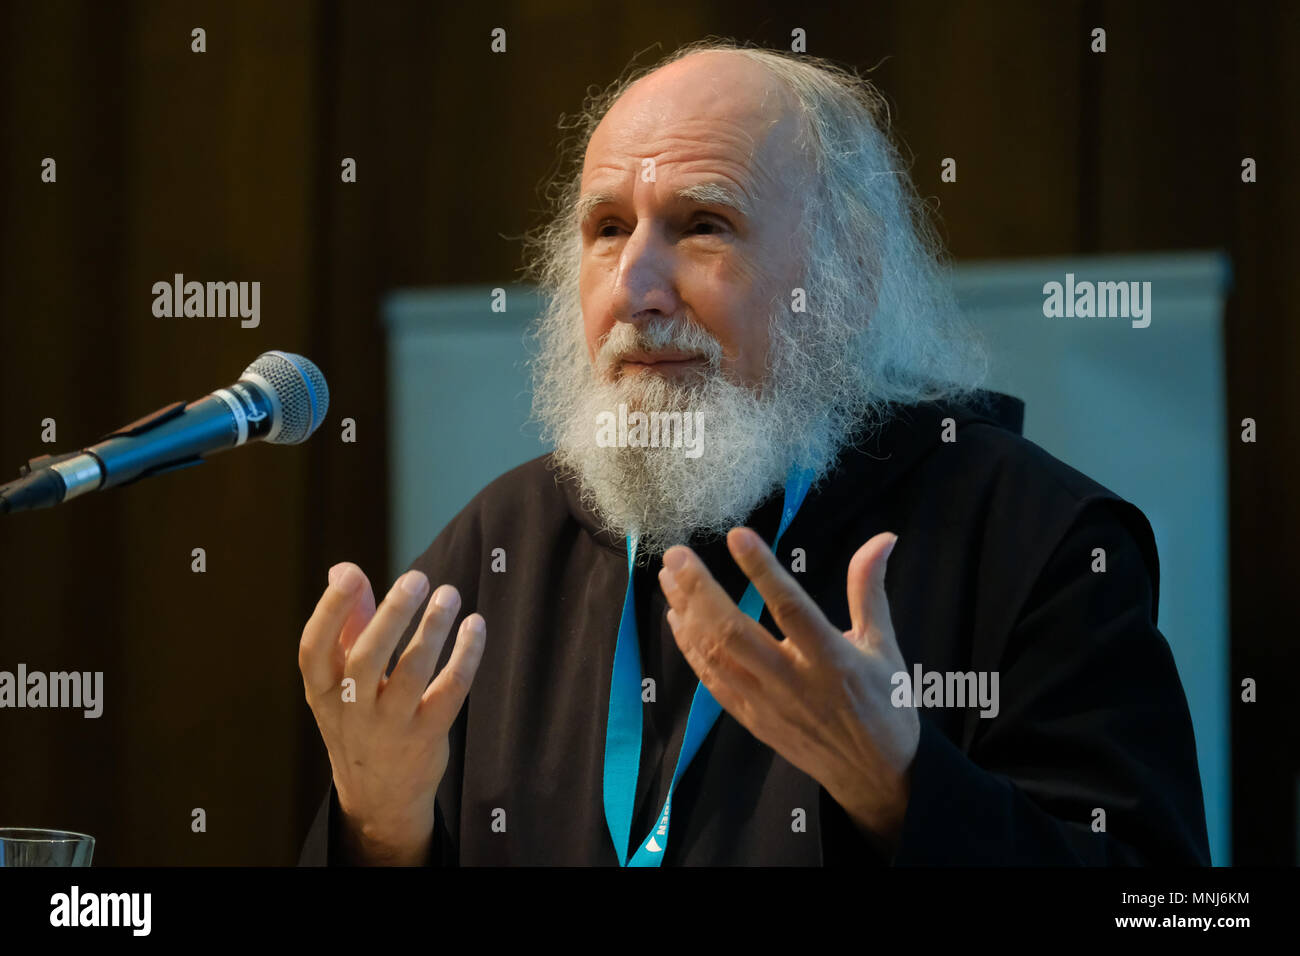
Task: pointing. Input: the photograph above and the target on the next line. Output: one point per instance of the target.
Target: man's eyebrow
(583, 207)
(715, 194)
(706, 194)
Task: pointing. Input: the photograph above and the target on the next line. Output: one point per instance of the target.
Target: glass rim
(40, 835)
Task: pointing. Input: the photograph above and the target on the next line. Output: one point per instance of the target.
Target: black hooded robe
(993, 571)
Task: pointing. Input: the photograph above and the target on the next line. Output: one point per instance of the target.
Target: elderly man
(864, 622)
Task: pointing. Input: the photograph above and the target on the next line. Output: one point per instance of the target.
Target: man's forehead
(714, 120)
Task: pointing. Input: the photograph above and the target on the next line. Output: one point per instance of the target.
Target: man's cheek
(592, 330)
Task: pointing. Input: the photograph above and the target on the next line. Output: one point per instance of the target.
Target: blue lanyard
(623, 731)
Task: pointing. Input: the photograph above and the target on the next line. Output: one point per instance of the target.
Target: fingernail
(445, 597)
(675, 559)
(890, 549)
(334, 574)
(476, 625)
(414, 583)
(667, 580)
(349, 580)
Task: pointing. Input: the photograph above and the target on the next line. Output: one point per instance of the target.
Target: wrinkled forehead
(708, 113)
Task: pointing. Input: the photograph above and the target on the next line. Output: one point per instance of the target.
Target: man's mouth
(661, 362)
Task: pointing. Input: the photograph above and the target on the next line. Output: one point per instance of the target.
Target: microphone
(280, 398)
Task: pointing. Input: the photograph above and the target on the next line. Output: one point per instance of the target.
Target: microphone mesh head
(300, 387)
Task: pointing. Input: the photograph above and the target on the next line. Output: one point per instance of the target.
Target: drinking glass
(27, 846)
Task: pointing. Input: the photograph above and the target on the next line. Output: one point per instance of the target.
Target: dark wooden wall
(225, 166)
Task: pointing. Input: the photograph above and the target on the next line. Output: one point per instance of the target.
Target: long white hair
(881, 326)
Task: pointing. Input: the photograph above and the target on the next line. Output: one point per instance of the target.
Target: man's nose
(645, 287)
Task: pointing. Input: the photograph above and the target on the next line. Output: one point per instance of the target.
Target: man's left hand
(821, 697)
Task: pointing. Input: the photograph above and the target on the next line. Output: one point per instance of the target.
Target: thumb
(868, 605)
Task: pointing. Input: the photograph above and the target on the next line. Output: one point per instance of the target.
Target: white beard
(749, 440)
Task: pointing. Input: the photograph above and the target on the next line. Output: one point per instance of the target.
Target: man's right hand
(386, 735)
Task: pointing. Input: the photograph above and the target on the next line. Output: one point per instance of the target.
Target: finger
(445, 696)
(723, 674)
(321, 666)
(793, 611)
(713, 633)
(420, 659)
(362, 612)
(735, 689)
(369, 656)
(868, 605)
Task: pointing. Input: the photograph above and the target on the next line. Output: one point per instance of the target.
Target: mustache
(675, 334)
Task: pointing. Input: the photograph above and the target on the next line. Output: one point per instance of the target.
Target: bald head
(720, 94)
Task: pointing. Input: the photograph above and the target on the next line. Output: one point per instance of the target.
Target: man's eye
(713, 226)
(700, 227)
